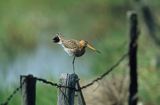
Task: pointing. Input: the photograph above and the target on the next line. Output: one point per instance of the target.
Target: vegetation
(27, 25)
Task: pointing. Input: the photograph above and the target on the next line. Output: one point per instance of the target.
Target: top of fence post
(66, 95)
(28, 84)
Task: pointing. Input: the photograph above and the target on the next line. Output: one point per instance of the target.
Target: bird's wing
(71, 44)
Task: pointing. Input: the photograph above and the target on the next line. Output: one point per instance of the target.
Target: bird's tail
(92, 48)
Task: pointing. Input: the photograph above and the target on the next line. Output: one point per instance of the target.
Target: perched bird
(73, 47)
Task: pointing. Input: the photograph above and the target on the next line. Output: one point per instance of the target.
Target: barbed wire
(107, 72)
(54, 84)
(60, 86)
(13, 94)
(92, 82)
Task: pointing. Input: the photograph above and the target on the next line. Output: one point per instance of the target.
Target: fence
(69, 83)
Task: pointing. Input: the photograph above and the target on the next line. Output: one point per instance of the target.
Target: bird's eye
(86, 42)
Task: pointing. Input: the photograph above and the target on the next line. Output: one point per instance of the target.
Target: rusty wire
(12, 94)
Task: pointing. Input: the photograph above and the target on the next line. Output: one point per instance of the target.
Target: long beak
(92, 48)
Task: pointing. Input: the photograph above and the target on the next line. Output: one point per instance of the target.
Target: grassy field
(26, 25)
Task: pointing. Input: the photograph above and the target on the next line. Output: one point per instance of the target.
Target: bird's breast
(69, 51)
(79, 52)
(74, 52)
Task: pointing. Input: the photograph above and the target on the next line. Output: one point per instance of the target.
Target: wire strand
(107, 72)
(60, 86)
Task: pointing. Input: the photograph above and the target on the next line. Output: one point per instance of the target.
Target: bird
(72, 47)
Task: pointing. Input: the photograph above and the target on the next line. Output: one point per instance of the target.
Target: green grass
(27, 23)
(45, 95)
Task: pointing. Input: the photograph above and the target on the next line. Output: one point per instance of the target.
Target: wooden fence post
(134, 31)
(66, 95)
(28, 84)
(81, 100)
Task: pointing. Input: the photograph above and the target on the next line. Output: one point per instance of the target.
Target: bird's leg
(73, 64)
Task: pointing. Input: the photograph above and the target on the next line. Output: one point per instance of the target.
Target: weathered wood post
(66, 95)
(81, 100)
(28, 84)
(134, 32)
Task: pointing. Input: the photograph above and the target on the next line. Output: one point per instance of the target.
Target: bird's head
(84, 43)
(57, 38)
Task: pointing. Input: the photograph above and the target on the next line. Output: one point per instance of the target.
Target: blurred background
(26, 47)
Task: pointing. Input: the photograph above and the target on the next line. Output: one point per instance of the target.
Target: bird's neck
(81, 46)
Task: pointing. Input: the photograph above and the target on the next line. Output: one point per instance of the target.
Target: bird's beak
(92, 48)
